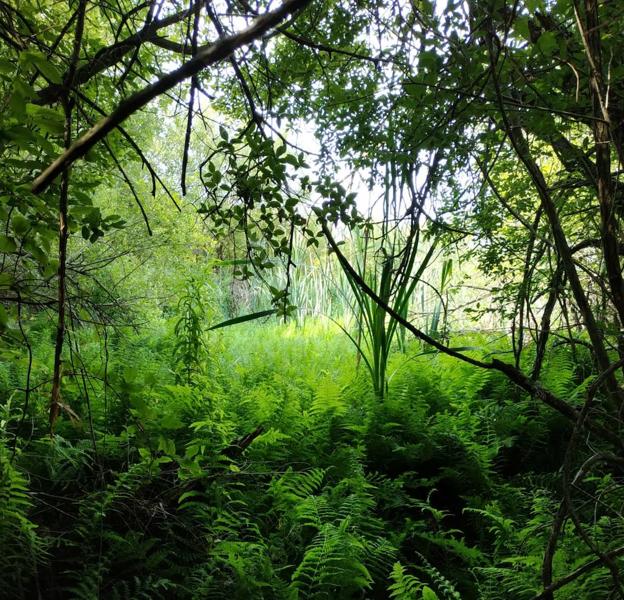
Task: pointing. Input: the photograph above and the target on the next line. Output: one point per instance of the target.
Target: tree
(519, 108)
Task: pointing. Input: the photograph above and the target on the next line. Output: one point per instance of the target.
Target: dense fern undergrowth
(272, 471)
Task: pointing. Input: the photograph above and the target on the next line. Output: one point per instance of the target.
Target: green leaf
(145, 454)
(244, 318)
(20, 224)
(6, 66)
(166, 445)
(23, 90)
(521, 25)
(533, 5)
(47, 119)
(171, 421)
(547, 43)
(7, 244)
(186, 495)
(43, 65)
(23, 137)
(291, 160)
(429, 594)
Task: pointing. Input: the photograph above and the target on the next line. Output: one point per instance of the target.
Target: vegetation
(319, 299)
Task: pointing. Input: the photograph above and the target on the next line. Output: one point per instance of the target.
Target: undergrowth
(272, 470)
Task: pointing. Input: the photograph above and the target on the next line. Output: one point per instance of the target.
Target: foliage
(395, 285)
(190, 351)
(334, 491)
(173, 178)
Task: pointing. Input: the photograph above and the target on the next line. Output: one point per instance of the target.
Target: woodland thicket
(311, 299)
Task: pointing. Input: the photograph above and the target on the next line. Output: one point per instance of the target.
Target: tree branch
(220, 50)
(110, 56)
(513, 374)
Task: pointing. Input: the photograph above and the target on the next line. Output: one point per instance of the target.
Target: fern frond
(404, 586)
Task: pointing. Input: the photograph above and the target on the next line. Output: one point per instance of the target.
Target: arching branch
(220, 50)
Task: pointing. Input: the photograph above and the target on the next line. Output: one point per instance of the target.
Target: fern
(445, 589)
(147, 588)
(332, 564)
(292, 487)
(558, 373)
(328, 400)
(329, 502)
(404, 585)
(22, 547)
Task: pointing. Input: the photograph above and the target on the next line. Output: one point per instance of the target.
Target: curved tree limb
(570, 577)
(218, 51)
(514, 375)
